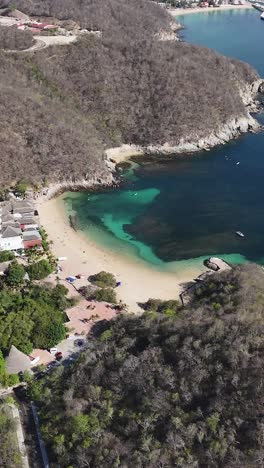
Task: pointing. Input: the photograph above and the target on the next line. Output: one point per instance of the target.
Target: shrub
(6, 256)
(12, 379)
(103, 280)
(39, 270)
(45, 242)
(21, 187)
(27, 376)
(104, 295)
(169, 307)
(15, 274)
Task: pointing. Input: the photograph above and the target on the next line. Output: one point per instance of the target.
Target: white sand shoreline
(139, 281)
(187, 11)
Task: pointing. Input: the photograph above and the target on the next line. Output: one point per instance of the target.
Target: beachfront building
(18, 225)
(11, 238)
(31, 238)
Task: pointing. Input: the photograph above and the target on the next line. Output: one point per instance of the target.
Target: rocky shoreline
(228, 131)
(113, 156)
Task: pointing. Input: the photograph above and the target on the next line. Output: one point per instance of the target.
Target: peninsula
(64, 106)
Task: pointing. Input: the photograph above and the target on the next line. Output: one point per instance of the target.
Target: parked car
(50, 365)
(78, 342)
(58, 356)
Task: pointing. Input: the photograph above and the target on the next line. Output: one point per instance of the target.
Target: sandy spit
(188, 11)
(84, 256)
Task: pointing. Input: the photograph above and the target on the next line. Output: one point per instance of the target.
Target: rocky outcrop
(225, 133)
(228, 131)
(107, 180)
(248, 93)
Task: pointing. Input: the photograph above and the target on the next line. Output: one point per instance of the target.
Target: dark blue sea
(186, 208)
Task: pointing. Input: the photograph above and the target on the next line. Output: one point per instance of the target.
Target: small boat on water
(262, 16)
(240, 234)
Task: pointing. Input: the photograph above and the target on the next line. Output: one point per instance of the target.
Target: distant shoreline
(188, 11)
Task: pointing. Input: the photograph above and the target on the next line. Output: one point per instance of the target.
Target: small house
(10, 239)
(17, 362)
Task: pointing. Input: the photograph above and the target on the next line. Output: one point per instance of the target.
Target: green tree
(27, 376)
(12, 379)
(2, 366)
(48, 333)
(21, 187)
(104, 295)
(9, 452)
(103, 280)
(15, 275)
(6, 256)
(39, 270)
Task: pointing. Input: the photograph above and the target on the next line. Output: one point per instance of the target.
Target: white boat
(262, 16)
(240, 234)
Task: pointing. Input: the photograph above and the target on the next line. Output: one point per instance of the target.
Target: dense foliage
(103, 295)
(39, 270)
(62, 106)
(6, 255)
(32, 317)
(171, 307)
(159, 391)
(15, 275)
(103, 279)
(9, 452)
(6, 380)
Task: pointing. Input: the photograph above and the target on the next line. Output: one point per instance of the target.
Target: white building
(11, 239)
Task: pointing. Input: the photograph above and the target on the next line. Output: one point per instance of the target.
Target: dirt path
(41, 42)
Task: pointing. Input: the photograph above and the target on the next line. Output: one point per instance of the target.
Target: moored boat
(262, 16)
(240, 234)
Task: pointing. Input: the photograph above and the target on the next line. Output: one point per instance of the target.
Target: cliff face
(63, 106)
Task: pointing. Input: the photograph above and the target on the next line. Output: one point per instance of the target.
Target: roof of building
(25, 220)
(24, 210)
(22, 204)
(4, 211)
(12, 224)
(45, 357)
(5, 205)
(7, 217)
(17, 361)
(31, 235)
(11, 232)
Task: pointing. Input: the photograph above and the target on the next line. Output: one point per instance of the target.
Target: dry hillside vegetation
(62, 106)
(15, 39)
(167, 389)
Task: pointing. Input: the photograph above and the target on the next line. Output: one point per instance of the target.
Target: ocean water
(174, 213)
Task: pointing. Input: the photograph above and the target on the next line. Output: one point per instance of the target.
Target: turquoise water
(175, 213)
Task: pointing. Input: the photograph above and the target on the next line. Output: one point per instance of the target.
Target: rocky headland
(62, 108)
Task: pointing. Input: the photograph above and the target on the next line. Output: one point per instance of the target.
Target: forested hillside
(180, 389)
(63, 106)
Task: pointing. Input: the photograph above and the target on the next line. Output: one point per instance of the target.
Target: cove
(176, 212)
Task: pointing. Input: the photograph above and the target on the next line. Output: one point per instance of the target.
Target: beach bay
(155, 231)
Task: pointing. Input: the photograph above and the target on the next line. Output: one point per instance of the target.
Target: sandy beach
(188, 11)
(139, 281)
